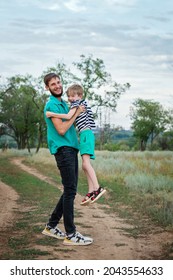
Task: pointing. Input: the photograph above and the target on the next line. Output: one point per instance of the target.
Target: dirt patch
(8, 199)
(8, 207)
(111, 241)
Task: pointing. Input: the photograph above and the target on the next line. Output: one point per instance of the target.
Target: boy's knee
(84, 166)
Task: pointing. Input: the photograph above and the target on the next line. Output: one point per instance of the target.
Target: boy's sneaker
(97, 194)
(77, 239)
(87, 198)
(53, 232)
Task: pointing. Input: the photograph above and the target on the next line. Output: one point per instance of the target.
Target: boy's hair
(49, 76)
(75, 89)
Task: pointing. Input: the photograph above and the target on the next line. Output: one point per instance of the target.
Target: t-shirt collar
(56, 99)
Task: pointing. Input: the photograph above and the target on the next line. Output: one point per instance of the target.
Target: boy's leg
(90, 173)
(91, 179)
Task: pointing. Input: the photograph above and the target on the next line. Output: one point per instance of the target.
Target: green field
(139, 185)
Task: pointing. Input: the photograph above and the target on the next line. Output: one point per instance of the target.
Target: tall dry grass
(148, 175)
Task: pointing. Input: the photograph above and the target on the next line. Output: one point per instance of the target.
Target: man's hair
(75, 89)
(49, 76)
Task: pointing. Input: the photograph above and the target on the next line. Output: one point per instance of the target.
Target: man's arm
(61, 116)
(61, 126)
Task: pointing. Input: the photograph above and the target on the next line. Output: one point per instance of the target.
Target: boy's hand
(48, 114)
(80, 109)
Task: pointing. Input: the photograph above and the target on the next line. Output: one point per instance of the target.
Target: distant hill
(115, 135)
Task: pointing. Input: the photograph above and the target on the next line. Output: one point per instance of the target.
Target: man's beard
(56, 94)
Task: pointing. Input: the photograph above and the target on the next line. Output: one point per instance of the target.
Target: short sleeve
(52, 107)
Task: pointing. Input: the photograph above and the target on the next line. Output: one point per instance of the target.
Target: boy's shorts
(87, 143)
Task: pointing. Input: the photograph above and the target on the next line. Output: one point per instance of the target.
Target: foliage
(99, 88)
(146, 195)
(67, 77)
(36, 199)
(146, 177)
(149, 120)
(22, 99)
(21, 110)
(165, 140)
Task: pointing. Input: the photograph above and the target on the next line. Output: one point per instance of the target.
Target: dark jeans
(67, 162)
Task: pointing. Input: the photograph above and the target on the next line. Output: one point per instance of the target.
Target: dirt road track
(111, 241)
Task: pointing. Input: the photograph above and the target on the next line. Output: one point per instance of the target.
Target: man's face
(55, 87)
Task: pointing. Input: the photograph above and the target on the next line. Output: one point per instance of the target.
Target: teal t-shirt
(54, 139)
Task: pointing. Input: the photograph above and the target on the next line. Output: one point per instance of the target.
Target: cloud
(122, 3)
(158, 18)
(134, 43)
(52, 5)
(75, 6)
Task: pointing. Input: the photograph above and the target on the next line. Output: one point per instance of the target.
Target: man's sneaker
(77, 239)
(97, 194)
(53, 232)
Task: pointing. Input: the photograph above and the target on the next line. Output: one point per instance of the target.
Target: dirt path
(8, 206)
(8, 203)
(110, 240)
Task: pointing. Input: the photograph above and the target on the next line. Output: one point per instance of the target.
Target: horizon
(134, 43)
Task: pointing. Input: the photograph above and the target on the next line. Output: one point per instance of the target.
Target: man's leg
(51, 228)
(57, 213)
(67, 163)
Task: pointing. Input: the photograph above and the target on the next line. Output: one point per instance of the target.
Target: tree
(18, 110)
(99, 88)
(67, 77)
(149, 120)
(22, 99)
(165, 141)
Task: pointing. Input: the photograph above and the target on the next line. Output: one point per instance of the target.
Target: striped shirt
(85, 119)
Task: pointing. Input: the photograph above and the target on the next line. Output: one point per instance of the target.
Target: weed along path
(110, 233)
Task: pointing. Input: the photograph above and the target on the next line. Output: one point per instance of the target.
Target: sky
(134, 38)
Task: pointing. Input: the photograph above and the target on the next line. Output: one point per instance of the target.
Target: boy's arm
(61, 126)
(61, 116)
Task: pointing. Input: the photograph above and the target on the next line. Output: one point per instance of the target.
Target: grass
(140, 187)
(143, 181)
(37, 199)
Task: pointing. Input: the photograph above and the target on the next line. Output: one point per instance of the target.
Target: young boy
(85, 123)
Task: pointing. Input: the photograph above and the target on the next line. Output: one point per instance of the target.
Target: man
(63, 144)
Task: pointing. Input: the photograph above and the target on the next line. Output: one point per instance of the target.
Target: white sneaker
(53, 232)
(77, 239)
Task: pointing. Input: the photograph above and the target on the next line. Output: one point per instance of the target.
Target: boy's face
(55, 87)
(73, 97)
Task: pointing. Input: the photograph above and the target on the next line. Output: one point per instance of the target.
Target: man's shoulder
(49, 103)
(54, 104)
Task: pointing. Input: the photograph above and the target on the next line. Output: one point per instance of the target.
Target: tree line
(152, 125)
(22, 99)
